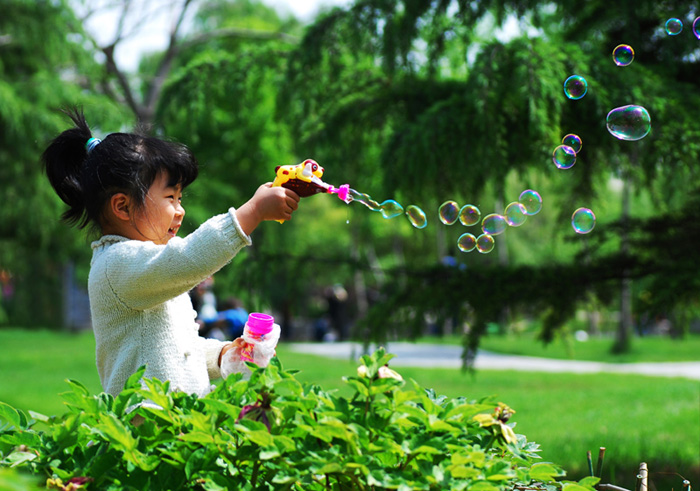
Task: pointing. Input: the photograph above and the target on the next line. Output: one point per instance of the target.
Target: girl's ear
(119, 206)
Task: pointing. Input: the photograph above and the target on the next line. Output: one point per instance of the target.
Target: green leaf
(482, 486)
(545, 471)
(572, 486)
(202, 437)
(9, 416)
(16, 459)
(589, 481)
(114, 431)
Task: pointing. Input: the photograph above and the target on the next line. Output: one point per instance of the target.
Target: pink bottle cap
(260, 324)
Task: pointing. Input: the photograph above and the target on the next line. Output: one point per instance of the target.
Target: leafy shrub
(273, 432)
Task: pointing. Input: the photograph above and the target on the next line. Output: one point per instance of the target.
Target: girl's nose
(180, 210)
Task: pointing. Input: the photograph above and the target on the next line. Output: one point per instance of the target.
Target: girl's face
(162, 215)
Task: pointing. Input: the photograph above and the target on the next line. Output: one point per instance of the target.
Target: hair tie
(91, 144)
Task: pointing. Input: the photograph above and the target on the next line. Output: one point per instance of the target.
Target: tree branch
(156, 85)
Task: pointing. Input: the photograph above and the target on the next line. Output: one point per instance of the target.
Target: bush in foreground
(273, 432)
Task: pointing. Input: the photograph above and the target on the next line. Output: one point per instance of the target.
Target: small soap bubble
(696, 27)
(469, 215)
(575, 87)
(466, 242)
(416, 216)
(623, 55)
(573, 141)
(449, 212)
(494, 224)
(485, 243)
(531, 200)
(674, 26)
(516, 214)
(629, 123)
(564, 157)
(391, 209)
(583, 221)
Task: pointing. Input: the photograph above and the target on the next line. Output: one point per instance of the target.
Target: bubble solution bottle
(260, 336)
(260, 330)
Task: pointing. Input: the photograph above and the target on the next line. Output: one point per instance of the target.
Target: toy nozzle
(342, 192)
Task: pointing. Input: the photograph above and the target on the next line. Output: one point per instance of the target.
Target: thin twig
(601, 457)
(590, 463)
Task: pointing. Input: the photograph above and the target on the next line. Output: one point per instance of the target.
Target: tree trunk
(624, 328)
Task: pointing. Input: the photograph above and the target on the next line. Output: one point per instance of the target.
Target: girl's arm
(144, 275)
(267, 203)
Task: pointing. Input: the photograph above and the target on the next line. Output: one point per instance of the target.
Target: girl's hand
(267, 203)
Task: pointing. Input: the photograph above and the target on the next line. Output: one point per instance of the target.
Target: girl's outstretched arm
(268, 203)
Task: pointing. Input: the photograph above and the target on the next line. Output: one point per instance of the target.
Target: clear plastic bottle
(260, 337)
(259, 330)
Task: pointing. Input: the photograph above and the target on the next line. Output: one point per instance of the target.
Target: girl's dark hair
(122, 163)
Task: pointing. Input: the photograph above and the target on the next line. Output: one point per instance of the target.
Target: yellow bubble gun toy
(305, 180)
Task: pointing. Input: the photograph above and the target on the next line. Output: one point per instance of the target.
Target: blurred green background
(416, 101)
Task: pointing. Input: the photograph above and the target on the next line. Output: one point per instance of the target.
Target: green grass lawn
(638, 419)
(644, 349)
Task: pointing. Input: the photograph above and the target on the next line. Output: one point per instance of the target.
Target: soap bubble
(485, 243)
(469, 215)
(564, 157)
(696, 27)
(416, 216)
(516, 214)
(466, 242)
(531, 200)
(583, 220)
(365, 199)
(494, 224)
(629, 123)
(575, 87)
(391, 208)
(623, 55)
(449, 212)
(674, 26)
(573, 141)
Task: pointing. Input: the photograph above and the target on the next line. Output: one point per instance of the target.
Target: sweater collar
(107, 240)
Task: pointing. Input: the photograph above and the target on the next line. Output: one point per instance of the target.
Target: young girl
(129, 188)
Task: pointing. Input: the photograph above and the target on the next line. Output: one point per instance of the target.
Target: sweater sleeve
(143, 275)
(212, 349)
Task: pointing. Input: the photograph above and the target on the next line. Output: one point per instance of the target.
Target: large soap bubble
(515, 214)
(485, 243)
(629, 123)
(564, 157)
(449, 212)
(416, 216)
(494, 224)
(391, 208)
(674, 26)
(469, 215)
(573, 141)
(575, 87)
(583, 220)
(623, 55)
(466, 242)
(531, 200)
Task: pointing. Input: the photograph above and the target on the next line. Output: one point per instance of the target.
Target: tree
(43, 67)
(395, 79)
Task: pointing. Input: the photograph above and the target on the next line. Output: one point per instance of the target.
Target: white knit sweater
(142, 313)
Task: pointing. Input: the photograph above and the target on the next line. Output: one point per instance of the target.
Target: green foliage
(273, 432)
(44, 67)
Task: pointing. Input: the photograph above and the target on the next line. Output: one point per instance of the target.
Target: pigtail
(64, 160)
